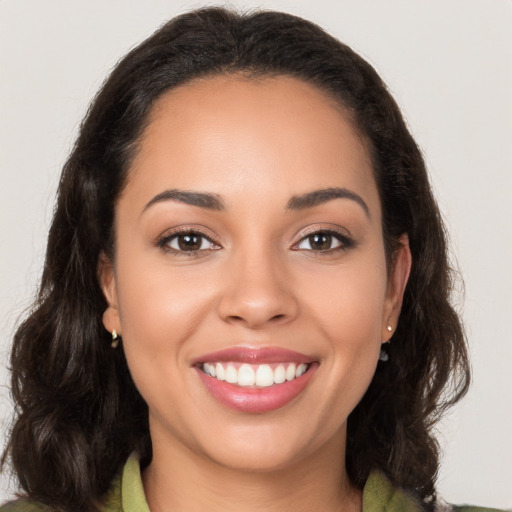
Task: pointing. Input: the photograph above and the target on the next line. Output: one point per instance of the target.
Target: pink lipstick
(255, 380)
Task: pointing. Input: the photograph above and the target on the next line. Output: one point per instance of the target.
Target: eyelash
(164, 242)
(345, 241)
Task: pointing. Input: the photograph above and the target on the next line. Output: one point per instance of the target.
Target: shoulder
(379, 494)
(23, 505)
(111, 502)
(471, 508)
(126, 494)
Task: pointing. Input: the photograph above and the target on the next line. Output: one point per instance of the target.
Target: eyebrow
(200, 199)
(324, 195)
(300, 202)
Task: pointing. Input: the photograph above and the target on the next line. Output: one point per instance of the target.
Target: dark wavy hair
(78, 414)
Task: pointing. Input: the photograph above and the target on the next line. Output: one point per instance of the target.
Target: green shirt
(126, 494)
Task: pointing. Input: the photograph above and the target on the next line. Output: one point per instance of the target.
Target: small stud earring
(389, 328)
(115, 339)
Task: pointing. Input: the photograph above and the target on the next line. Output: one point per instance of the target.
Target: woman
(245, 296)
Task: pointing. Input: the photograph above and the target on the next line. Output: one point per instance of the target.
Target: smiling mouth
(255, 380)
(254, 375)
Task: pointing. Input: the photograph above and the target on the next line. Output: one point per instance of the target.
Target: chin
(270, 448)
(257, 458)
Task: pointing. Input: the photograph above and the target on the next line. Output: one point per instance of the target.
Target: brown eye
(322, 241)
(188, 242)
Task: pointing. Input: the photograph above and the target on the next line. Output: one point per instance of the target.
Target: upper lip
(253, 355)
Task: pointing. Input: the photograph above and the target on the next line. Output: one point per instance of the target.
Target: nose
(258, 292)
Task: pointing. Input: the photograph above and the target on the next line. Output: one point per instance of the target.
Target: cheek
(160, 307)
(349, 302)
(347, 306)
(160, 310)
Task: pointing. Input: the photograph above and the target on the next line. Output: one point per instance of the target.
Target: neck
(192, 482)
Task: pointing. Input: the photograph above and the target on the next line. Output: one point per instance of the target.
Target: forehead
(222, 130)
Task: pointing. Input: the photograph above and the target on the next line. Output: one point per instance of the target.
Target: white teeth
(210, 369)
(279, 374)
(246, 376)
(301, 370)
(290, 372)
(219, 370)
(231, 375)
(262, 376)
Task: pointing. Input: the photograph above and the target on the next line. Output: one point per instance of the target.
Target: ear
(397, 280)
(107, 281)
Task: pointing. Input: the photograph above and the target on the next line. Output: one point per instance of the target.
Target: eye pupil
(320, 241)
(189, 242)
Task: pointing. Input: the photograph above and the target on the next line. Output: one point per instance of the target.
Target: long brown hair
(78, 413)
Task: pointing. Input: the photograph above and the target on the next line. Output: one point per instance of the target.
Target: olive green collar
(379, 495)
(127, 494)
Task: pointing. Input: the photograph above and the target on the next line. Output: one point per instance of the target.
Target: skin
(255, 144)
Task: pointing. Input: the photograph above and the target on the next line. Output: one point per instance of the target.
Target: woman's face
(249, 246)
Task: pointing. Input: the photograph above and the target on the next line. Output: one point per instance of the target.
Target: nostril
(251, 320)
(244, 305)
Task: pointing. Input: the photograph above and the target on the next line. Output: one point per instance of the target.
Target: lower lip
(256, 400)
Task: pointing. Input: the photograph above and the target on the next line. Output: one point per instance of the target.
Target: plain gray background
(448, 64)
